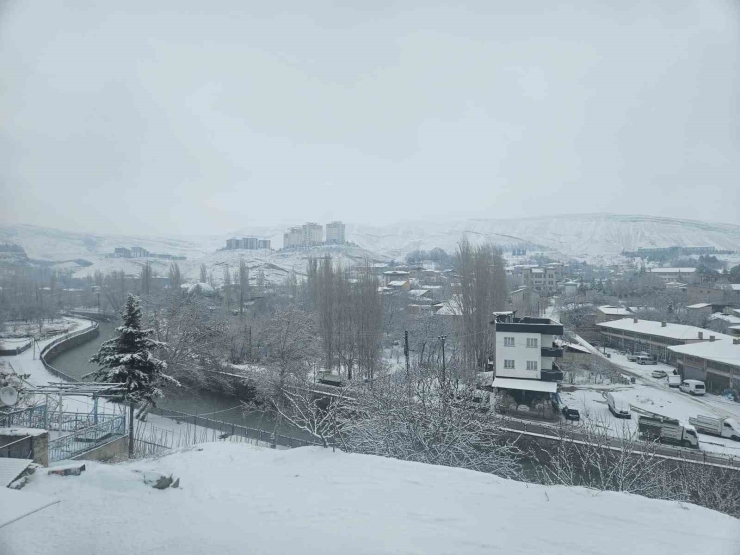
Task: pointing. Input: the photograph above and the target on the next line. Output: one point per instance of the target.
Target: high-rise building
(313, 234)
(249, 243)
(335, 233)
(293, 237)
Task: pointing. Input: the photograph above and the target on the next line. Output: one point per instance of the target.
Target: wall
(113, 450)
(520, 353)
(37, 444)
(63, 344)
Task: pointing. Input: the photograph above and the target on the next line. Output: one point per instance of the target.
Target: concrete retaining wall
(113, 450)
(65, 343)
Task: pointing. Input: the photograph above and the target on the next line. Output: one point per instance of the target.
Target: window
(508, 341)
(531, 365)
(509, 364)
(532, 342)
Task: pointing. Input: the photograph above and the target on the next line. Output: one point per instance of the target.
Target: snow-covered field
(241, 499)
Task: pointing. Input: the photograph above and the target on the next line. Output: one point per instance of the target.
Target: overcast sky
(203, 117)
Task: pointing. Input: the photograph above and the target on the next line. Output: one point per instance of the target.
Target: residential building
(570, 288)
(139, 252)
(525, 372)
(655, 338)
(683, 275)
(313, 234)
(335, 233)
(524, 301)
(399, 285)
(122, 252)
(248, 243)
(609, 313)
(716, 362)
(293, 237)
(704, 293)
(542, 280)
(525, 348)
(700, 309)
(395, 275)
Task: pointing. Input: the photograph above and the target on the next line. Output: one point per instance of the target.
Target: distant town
(309, 234)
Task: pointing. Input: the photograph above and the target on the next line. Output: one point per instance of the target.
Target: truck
(656, 427)
(722, 427)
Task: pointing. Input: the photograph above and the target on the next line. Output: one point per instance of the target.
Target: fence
(86, 439)
(32, 417)
(213, 430)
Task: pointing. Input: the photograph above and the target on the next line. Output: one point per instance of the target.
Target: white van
(617, 406)
(693, 387)
(674, 381)
(643, 359)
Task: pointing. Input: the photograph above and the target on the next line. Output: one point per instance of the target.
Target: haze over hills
(593, 237)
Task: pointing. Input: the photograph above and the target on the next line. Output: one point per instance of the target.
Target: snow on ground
(241, 499)
(653, 394)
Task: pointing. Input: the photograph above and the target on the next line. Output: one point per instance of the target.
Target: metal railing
(32, 417)
(73, 421)
(227, 429)
(86, 439)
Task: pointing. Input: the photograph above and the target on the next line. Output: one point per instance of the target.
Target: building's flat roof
(397, 283)
(614, 310)
(418, 292)
(672, 270)
(726, 317)
(721, 350)
(699, 305)
(671, 331)
(525, 385)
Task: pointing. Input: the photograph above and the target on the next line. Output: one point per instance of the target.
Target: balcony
(551, 352)
(554, 375)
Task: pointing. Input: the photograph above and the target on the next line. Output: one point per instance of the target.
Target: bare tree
(203, 274)
(243, 284)
(175, 277)
(420, 419)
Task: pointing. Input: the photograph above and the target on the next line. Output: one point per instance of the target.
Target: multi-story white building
(249, 243)
(525, 349)
(293, 237)
(335, 233)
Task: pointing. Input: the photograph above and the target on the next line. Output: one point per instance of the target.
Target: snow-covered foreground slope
(240, 499)
(587, 236)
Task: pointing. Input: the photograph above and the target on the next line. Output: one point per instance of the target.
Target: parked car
(658, 373)
(631, 357)
(570, 413)
(643, 359)
(692, 387)
(674, 381)
(617, 406)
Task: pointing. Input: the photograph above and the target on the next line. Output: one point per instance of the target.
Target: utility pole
(442, 338)
(131, 430)
(406, 351)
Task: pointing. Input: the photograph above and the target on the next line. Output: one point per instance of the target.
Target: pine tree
(128, 359)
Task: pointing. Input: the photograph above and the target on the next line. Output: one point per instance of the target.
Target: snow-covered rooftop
(418, 292)
(670, 331)
(725, 317)
(397, 283)
(721, 350)
(672, 270)
(614, 310)
(525, 385)
(699, 305)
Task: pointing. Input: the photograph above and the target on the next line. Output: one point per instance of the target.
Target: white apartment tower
(313, 234)
(335, 233)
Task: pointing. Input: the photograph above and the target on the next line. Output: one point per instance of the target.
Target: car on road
(570, 413)
(618, 406)
(642, 359)
(692, 387)
(658, 373)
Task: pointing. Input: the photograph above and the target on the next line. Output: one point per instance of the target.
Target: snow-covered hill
(597, 238)
(237, 499)
(588, 236)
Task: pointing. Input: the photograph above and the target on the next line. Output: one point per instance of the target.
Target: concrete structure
(335, 233)
(121, 252)
(700, 309)
(247, 243)
(307, 235)
(313, 234)
(655, 338)
(525, 348)
(570, 288)
(139, 252)
(542, 280)
(699, 293)
(609, 313)
(395, 275)
(716, 363)
(683, 275)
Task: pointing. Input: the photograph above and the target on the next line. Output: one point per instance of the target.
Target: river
(203, 403)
